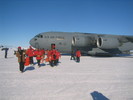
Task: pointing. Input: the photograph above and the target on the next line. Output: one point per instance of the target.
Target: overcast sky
(20, 20)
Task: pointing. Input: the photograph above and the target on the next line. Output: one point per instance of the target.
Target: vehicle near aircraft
(88, 43)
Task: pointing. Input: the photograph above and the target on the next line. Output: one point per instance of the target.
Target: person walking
(21, 59)
(72, 55)
(78, 54)
(6, 51)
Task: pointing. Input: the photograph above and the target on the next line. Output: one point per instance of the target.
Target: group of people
(25, 57)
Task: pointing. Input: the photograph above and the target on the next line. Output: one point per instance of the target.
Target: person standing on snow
(43, 55)
(72, 55)
(6, 51)
(53, 55)
(38, 54)
(78, 54)
(21, 58)
(58, 56)
(48, 58)
(30, 53)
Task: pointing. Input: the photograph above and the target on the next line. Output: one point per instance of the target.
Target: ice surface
(94, 78)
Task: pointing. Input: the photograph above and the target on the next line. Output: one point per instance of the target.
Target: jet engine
(79, 41)
(107, 43)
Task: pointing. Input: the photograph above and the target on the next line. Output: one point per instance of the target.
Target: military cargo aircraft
(87, 43)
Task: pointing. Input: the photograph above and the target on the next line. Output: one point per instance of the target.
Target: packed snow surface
(94, 78)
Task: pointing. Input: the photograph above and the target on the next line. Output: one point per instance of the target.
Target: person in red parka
(43, 51)
(38, 53)
(58, 56)
(78, 55)
(43, 55)
(30, 54)
(53, 57)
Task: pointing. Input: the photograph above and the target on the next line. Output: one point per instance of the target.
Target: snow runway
(94, 78)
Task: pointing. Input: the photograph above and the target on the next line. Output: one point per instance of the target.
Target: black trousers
(31, 60)
(21, 66)
(72, 58)
(5, 55)
(78, 59)
(57, 61)
(53, 63)
(38, 62)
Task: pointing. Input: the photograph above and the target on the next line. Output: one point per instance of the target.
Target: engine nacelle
(79, 41)
(107, 43)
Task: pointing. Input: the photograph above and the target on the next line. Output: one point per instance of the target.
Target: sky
(21, 20)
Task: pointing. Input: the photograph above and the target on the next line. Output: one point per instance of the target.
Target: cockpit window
(39, 36)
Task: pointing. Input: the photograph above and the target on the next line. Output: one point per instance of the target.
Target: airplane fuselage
(88, 43)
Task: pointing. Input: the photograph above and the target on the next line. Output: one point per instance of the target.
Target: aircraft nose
(32, 42)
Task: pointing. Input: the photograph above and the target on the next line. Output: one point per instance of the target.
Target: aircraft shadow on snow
(120, 56)
(124, 56)
(98, 96)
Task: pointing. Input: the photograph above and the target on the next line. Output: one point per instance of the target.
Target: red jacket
(78, 53)
(58, 54)
(43, 51)
(53, 54)
(30, 52)
(38, 54)
(48, 53)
